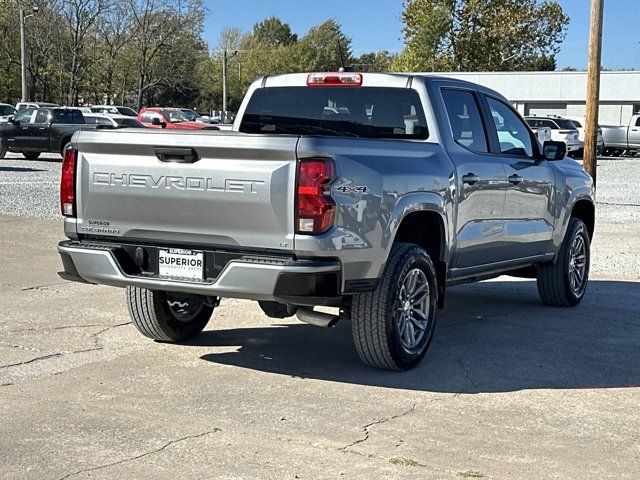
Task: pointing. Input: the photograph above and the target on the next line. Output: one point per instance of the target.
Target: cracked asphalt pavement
(510, 388)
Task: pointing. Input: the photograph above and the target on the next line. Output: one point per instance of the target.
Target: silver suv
(372, 193)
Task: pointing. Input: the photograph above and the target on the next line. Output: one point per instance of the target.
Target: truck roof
(397, 80)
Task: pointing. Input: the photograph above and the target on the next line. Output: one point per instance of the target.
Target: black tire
(275, 309)
(3, 149)
(31, 155)
(374, 319)
(154, 317)
(554, 280)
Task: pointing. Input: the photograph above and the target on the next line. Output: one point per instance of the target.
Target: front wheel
(31, 155)
(167, 316)
(3, 149)
(393, 325)
(564, 283)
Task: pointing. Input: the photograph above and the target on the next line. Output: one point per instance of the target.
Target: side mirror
(554, 150)
(157, 121)
(13, 120)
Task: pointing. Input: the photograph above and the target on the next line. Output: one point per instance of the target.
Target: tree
(325, 48)
(374, 62)
(272, 31)
(475, 35)
(80, 18)
(157, 26)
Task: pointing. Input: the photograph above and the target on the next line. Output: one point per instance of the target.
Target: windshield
(175, 116)
(128, 122)
(191, 115)
(566, 124)
(127, 111)
(7, 110)
(369, 112)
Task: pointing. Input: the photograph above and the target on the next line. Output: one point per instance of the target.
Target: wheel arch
(422, 221)
(585, 210)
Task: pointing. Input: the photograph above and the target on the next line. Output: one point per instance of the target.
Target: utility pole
(593, 88)
(23, 50)
(224, 80)
(23, 57)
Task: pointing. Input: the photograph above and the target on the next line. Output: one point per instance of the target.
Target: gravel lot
(30, 188)
(510, 389)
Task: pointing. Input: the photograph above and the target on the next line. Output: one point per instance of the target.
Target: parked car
(222, 116)
(542, 133)
(6, 111)
(33, 105)
(562, 130)
(102, 120)
(114, 110)
(194, 116)
(578, 122)
(33, 131)
(296, 208)
(173, 118)
(623, 139)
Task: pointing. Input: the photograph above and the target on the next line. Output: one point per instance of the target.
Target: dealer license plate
(181, 263)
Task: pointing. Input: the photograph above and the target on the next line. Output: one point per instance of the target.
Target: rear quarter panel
(379, 182)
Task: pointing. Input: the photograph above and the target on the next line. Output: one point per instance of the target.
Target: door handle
(515, 179)
(42, 128)
(470, 178)
(177, 154)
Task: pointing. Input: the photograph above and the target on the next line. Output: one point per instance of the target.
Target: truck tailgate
(239, 191)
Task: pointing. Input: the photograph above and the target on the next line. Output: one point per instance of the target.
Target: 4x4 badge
(352, 188)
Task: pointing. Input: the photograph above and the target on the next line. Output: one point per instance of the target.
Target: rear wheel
(393, 325)
(563, 283)
(167, 316)
(31, 155)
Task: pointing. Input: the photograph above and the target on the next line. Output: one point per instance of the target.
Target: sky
(375, 25)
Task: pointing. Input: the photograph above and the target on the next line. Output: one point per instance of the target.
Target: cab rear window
(368, 112)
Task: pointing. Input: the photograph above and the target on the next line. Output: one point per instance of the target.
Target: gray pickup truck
(372, 193)
(623, 139)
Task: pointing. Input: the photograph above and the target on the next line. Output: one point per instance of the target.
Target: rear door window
(465, 120)
(368, 112)
(68, 116)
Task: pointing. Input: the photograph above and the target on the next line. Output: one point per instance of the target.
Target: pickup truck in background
(624, 139)
(34, 131)
(371, 193)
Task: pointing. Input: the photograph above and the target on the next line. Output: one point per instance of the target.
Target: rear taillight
(315, 209)
(68, 183)
(334, 79)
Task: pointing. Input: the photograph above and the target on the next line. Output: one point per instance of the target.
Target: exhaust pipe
(319, 319)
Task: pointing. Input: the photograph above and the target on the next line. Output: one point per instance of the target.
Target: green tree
(325, 48)
(272, 31)
(477, 35)
(374, 62)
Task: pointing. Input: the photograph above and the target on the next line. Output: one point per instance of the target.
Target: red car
(156, 117)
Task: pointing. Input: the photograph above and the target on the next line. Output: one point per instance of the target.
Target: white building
(564, 93)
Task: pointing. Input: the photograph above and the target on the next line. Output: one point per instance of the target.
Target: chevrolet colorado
(372, 193)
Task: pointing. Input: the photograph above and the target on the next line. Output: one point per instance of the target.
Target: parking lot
(510, 388)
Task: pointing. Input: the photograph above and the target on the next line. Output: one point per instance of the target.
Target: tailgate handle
(179, 155)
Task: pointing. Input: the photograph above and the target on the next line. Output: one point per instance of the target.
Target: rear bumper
(304, 282)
